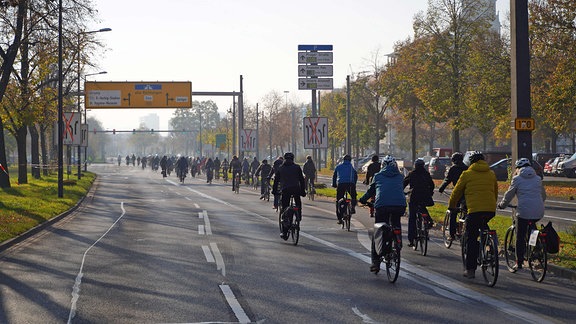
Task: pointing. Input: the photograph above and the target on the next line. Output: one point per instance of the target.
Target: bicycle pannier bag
(552, 239)
(382, 238)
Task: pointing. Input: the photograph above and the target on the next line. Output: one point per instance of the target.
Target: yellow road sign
(524, 124)
(138, 94)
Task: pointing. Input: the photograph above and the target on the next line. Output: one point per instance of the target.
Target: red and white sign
(72, 133)
(315, 132)
(248, 140)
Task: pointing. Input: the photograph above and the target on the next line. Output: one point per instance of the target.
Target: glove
(440, 190)
(363, 202)
(501, 206)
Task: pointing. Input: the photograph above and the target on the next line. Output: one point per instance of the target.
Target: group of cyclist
(475, 189)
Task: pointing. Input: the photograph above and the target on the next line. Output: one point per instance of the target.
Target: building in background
(151, 121)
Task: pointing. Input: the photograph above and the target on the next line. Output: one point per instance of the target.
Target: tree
(11, 31)
(451, 26)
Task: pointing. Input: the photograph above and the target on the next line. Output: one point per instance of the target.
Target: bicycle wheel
(348, 217)
(423, 238)
(446, 230)
(295, 231)
(393, 263)
(489, 255)
(237, 185)
(310, 191)
(463, 248)
(280, 221)
(538, 260)
(510, 248)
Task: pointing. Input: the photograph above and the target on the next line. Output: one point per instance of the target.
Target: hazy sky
(212, 42)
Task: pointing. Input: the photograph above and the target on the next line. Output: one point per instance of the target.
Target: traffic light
(114, 131)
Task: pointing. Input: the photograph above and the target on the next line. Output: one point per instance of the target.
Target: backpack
(552, 239)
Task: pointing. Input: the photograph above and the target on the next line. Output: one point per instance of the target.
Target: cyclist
(246, 171)
(181, 166)
(527, 186)
(390, 204)
(344, 180)
(309, 170)
(275, 168)
(225, 167)
(235, 168)
(479, 186)
(254, 166)
(373, 168)
(164, 165)
(209, 167)
(290, 177)
(421, 191)
(264, 170)
(217, 168)
(452, 177)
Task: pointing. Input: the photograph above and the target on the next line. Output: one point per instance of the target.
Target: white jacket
(527, 186)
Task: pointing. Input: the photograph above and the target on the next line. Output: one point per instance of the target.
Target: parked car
(554, 165)
(568, 167)
(500, 168)
(547, 170)
(437, 166)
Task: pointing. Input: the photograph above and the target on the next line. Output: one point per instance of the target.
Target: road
(143, 249)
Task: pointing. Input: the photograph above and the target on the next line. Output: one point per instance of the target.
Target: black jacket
(453, 175)
(289, 175)
(373, 168)
(421, 185)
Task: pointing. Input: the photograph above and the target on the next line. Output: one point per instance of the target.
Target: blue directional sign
(148, 86)
(314, 47)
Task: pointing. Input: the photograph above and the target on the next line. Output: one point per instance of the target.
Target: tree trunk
(44, 150)
(34, 151)
(21, 134)
(4, 177)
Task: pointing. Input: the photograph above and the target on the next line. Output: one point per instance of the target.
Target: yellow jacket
(479, 186)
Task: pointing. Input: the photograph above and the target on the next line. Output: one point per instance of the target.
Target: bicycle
(289, 222)
(422, 228)
(267, 189)
(460, 226)
(388, 249)
(225, 176)
(345, 205)
(535, 249)
(237, 183)
(487, 254)
(255, 182)
(182, 175)
(310, 189)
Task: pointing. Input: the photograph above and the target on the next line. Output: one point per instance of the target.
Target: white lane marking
(208, 254)
(449, 285)
(78, 281)
(207, 225)
(219, 259)
(561, 218)
(200, 214)
(234, 304)
(365, 318)
(201, 230)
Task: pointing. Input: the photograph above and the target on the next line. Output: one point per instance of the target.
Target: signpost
(71, 132)
(524, 124)
(315, 58)
(248, 140)
(315, 70)
(138, 94)
(315, 83)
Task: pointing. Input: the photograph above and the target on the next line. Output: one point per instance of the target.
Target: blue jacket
(344, 173)
(388, 187)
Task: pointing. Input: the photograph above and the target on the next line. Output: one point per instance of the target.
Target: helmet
(419, 163)
(457, 157)
(347, 157)
(289, 155)
(264, 161)
(388, 160)
(476, 156)
(308, 157)
(374, 158)
(523, 162)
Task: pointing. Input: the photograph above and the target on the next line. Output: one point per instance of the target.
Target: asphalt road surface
(143, 249)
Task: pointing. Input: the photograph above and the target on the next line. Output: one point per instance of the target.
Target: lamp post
(85, 120)
(286, 92)
(78, 88)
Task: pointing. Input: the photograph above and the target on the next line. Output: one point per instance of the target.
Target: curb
(562, 272)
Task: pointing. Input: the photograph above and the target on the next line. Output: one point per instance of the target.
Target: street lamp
(78, 88)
